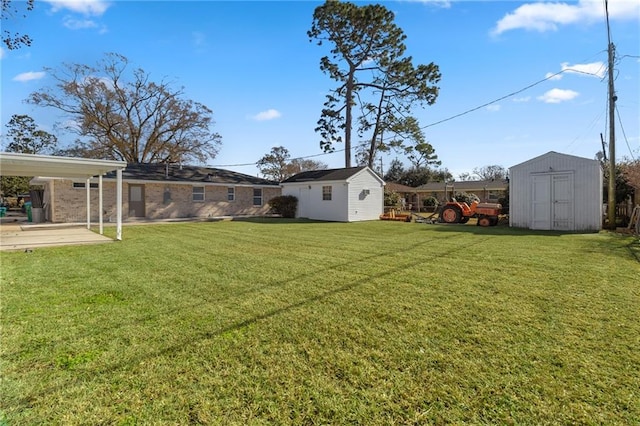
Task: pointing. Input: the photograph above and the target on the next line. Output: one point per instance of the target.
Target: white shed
(339, 195)
(556, 192)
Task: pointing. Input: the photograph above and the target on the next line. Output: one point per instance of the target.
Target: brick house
(489, 191)
(160, 191)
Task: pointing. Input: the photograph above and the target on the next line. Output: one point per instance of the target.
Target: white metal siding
(583, 210)
(310, 202)
(363, 205)
(301, 192)
(348, 202)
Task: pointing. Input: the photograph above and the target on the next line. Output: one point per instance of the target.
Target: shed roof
(190, 174)
(554, 154)
(324, 175)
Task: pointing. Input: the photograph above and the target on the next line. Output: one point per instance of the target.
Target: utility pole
(611, 204)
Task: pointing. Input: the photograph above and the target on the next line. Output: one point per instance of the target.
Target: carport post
(100, 204)
(88, 188)
(119, 204)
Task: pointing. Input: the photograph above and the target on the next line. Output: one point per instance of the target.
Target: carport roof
(14, 164)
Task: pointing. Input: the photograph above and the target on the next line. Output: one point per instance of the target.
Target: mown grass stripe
(268, 322)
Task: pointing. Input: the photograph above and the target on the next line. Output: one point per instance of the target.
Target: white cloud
(2, 53)
(594, 69)
(79, 24)
(556, 96)
(553, 76)
(547, 16)
(493, 107)
(270, 114)
(28, 76)
(85, 7)
(523, 99)
(440, 3)
(199, 38)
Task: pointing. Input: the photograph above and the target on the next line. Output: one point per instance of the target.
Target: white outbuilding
(339, 195)
(556, 192)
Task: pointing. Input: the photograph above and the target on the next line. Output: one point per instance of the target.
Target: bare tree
(490, 172)
(298, 165)
(631, 172)
(124, 115)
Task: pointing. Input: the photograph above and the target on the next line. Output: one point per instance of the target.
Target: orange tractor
(455, 212)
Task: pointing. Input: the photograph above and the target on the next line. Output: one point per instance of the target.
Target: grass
(287, 322)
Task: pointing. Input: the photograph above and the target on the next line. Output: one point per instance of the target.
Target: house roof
(398, 187)
(188, 174)
(467, 185)
(324, 175)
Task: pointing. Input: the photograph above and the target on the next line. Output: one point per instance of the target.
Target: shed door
(562, 207)
(304, 199)
(541, 202)
(136, 201)
(552, 202)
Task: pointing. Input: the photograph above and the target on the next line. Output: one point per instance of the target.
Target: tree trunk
(348, 118)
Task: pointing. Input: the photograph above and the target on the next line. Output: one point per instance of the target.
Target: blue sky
(254, 66)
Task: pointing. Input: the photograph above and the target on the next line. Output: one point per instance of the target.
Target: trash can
(37, 214)
(27, 208)
(3, 211)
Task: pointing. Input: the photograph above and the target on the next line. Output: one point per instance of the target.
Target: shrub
(284, 205)
(463, 197)
(430, 202)
(391, 198)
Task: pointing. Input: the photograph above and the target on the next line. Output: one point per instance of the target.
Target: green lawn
(285, 322)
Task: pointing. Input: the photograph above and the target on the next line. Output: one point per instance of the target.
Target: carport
(14, 164)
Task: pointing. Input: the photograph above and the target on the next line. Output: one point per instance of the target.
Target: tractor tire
(484, 221)
(450, 215)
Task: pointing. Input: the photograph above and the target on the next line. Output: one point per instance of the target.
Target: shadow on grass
(191, 339)
(276, 220)
(634, 248)
(492, 230)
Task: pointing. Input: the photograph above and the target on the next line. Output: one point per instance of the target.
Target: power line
(624, 134)
(549, 77)
(509, 95)
(588, 128)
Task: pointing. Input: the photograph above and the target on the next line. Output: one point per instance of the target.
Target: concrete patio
(16, 233)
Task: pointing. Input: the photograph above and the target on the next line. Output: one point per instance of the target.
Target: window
(231, 194)
(257, 196)
(326, 193)
(82, 185)
(198, 193)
